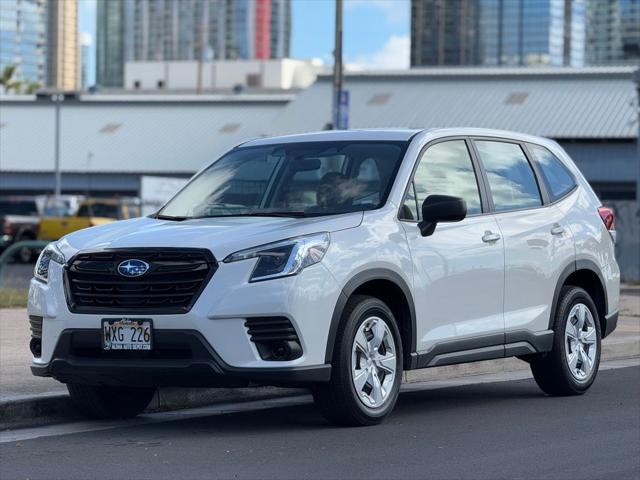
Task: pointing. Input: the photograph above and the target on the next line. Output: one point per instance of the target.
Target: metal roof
(164, 137)
(180, 134)
(590, 103)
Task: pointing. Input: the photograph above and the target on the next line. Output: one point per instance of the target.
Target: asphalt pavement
(480, 430)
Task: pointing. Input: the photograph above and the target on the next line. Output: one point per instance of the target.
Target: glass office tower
(23, 38)
(156, 30)
(524, 32)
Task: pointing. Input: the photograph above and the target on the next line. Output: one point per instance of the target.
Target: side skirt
(488, 347)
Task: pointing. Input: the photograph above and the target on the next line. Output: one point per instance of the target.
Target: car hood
(220, 235)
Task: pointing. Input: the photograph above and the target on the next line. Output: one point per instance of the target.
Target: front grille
(173, 283)
(275, 338)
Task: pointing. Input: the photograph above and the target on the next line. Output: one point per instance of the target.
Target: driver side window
(444, 169)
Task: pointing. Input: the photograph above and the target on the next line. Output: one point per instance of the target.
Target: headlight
(281, 259)
(50, 253)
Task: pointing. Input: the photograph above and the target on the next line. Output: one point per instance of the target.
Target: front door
(459, 270)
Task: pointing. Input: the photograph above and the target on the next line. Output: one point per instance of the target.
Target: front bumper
(216, 326)
(181, 358)
(5, 241)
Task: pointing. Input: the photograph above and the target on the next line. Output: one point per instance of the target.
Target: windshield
(101, 210)
(298, 179)
(18, 207)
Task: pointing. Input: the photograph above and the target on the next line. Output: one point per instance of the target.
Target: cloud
(395, 11)
(394, 54)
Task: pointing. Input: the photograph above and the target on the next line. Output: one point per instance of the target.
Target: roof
(382, 134)
(157, 98)
(179, 134)
(138, 137)
(561, 103)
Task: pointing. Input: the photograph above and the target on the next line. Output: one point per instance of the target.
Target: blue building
(23, 38)
(525, 32)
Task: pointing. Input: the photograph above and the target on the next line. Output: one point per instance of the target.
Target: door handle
(490, 237)
(557, 230)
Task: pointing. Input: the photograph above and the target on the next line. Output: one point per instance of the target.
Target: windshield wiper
(267, 213)
(169, 217)
(257, 213)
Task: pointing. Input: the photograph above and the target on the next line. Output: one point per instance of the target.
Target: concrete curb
(46, 409)
(51, 408)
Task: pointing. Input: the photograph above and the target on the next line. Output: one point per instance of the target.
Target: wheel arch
(584, 274)
(392, 289)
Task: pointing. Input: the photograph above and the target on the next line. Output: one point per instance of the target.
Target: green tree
(31, 87)
(7, 81)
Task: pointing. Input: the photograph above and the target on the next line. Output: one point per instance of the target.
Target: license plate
(126, 334)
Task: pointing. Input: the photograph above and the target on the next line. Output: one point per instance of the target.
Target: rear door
(459, 269)
(537, 241)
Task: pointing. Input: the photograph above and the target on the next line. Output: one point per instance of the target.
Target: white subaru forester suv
(336, 260)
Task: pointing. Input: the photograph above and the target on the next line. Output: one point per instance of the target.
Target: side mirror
(441, 208)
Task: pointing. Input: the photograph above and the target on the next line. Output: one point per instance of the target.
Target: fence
(628, 240)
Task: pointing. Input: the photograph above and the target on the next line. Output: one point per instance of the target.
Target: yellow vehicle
(91, 212)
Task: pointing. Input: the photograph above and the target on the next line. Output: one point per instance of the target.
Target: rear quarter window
(555, 174)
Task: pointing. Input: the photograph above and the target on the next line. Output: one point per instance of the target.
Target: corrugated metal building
(592, 112)
(117, 139)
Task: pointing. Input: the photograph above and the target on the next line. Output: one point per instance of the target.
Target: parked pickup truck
(19, 218)
(91, 212)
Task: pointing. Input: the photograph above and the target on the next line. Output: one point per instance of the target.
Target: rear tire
(367, 366)
(110, 402)
(572, 365)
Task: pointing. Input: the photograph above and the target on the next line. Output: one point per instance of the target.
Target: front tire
(571, 366)
(110, 402)
(367, 365)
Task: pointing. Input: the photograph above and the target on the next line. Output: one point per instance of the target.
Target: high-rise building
(612, 31)
(110, 43)
(524, 32)
(167, 30)
(85, 48)
(22, 39)
(63, 48)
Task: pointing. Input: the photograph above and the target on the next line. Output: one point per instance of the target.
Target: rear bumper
(180, 358)
(611, 322)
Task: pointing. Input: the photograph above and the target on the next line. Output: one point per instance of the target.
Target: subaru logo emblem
(133, 268)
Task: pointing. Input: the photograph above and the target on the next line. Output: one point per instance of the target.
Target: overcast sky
(376, 32)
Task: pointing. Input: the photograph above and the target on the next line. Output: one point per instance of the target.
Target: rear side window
(556, 176)
(512, 181)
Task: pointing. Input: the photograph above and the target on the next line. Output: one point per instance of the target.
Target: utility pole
(200, 51)
(636, 77)
(337, 66)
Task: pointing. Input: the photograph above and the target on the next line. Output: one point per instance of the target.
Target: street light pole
(337, 66)
(57, 98)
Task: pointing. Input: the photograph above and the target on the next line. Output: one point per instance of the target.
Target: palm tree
(31, 87)
(7, 81)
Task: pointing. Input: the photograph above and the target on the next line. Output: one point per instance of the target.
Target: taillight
(6, 227)
(608, 217)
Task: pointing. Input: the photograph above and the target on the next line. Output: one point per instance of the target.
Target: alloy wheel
(581, 345)
(373, 362)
